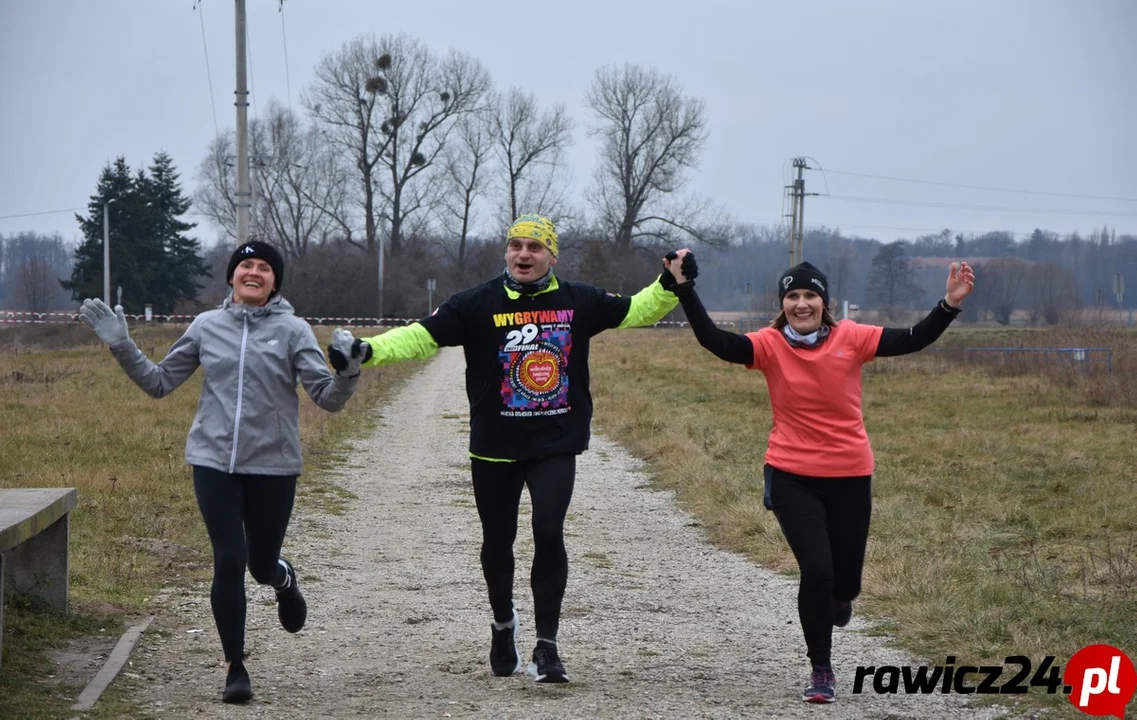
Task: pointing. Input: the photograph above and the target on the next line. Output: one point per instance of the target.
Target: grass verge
(1004, 520)
(73, 419)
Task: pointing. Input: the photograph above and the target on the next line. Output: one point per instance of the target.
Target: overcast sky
(1029, 95)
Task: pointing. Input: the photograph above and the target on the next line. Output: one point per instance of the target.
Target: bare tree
(890, 280)
(1001, 291)
(390, 104)
(650, 133)
(345, 112)
(215, 196)
(531, 144)
(1053, 291)
(32, 269)
(298, 182)
(467, 162)
(37, 284)
(424, 96)
(842, 264)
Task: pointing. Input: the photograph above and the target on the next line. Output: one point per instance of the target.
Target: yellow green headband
(534, 227)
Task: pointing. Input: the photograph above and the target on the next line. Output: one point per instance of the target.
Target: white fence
(20, 317)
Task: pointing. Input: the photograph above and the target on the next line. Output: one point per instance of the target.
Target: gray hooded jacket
(247, 418)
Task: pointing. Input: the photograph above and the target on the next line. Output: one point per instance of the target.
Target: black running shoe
(504, 658)
(238, 688)
(290, 605)
(546, 667)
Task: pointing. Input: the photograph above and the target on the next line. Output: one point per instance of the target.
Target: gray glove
(344, 355)
(109, 326)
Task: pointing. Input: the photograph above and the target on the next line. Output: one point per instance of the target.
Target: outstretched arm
(446, 327)
(156, 379)
(649, 305)
(329, 392)
(899, 341)
(725, 345)
(412, 342)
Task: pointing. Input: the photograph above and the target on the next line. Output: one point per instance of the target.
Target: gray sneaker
(822, 686)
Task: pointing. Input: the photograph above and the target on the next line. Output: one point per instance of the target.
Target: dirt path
(658, 623)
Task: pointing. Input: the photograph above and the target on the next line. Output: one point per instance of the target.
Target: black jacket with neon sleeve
(527, 377)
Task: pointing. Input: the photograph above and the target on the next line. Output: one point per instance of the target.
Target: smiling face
(252, 282)
(803, 309)
(527, 259)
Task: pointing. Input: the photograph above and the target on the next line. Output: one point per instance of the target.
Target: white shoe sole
(516, 630)
(532, 670)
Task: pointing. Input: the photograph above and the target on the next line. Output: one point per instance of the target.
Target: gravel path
(658, 623)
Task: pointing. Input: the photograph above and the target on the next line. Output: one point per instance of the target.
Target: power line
(982, 187)
(42, 212)
(989, 208)
(841, 226)
(823, 171)
(208, 75)
(252, 75)
(284, 41)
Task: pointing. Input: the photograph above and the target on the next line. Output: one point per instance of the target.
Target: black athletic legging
(497, 491)
(826, 523)
(246, 517)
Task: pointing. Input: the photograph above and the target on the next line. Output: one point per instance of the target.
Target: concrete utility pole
(797, 213)
(107, 251)
(244, 192)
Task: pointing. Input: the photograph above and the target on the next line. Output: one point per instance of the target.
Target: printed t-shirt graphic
(534, 354)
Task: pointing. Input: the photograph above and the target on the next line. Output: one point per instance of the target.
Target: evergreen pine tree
(152, 258)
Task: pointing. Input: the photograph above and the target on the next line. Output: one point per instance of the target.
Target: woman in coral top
(819, 464)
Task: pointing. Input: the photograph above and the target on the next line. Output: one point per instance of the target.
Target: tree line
(1045, 274)
(398, 147)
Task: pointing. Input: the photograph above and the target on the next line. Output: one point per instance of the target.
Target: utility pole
(797, 213)
(244, 193)
(379, 257)
(107, 251)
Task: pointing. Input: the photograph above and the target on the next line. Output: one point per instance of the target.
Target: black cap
(260, 251)
(804, 277)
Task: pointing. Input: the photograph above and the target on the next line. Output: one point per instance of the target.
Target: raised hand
(109, 325)
(680, 267)
(346, 353)
(960, 283)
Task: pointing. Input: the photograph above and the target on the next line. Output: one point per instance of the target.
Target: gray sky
(1018, 94)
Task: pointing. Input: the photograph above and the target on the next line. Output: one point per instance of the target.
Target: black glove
(339, 361)
(688, 267)
(362, 349)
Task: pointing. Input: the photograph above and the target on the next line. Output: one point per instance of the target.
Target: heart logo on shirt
(541, 371)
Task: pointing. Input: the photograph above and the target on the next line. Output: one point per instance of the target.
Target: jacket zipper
(240, 392)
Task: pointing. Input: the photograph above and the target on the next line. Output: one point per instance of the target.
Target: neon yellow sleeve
(411, 342)
(649, 306)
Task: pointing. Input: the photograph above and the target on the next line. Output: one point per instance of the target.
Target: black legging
(246, 517)
(826, 523)
(497, 491)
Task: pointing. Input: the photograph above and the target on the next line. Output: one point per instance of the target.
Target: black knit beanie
(260, 251)
(804, 277)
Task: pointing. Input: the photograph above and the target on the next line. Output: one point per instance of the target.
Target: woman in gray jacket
(244, 444)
